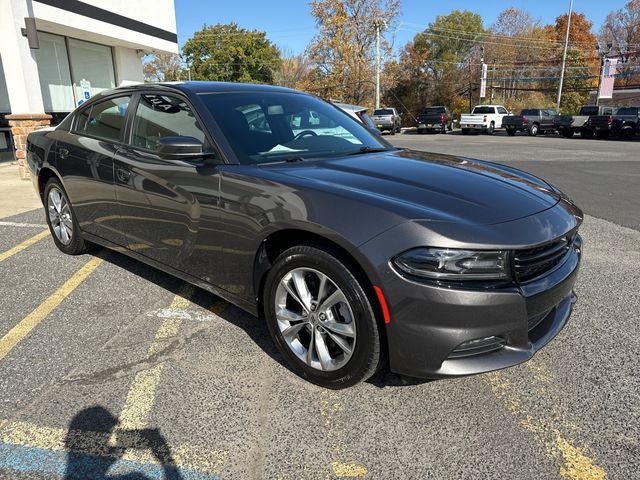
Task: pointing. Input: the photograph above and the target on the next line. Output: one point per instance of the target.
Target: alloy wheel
(60, 216)
(315, 319)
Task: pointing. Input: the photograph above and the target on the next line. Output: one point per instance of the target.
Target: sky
(289, 23)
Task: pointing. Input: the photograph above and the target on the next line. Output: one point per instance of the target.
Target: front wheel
(62, 222)
(321, 319)
(533, 130)
(511, 132)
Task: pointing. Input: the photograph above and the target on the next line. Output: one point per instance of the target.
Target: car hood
(430, 186)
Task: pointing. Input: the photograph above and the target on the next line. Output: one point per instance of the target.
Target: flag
(607, 78)
(483, 81)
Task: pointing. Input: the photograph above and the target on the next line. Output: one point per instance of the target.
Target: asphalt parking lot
(112, 369)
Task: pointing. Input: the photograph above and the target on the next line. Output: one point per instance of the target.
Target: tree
(343, 49)
(293, 70)
(163, 67)
(621, 30)
(581, 59)
(226, 52)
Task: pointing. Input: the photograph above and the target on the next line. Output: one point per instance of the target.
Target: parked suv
(435, 118)
(387, 120)
(532, 121)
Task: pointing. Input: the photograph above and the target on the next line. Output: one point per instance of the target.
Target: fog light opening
(478, 346)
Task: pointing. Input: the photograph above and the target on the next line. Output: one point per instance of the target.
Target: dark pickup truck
(435, 118)
(625, 123)
(532, 121)
(567, 125)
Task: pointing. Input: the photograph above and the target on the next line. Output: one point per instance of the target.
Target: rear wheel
(626, 133)
(533, 130)
(321, 319)
(511, 132)
(62, 221)
(584, 133)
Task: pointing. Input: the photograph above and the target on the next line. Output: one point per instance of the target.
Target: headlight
(450, 264)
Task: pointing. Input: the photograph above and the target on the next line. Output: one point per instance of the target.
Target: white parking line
(18, 224)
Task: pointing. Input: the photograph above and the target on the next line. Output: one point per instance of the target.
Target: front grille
(533, 262)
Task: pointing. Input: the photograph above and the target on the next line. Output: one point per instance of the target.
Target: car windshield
(484, 110)
(433, 111)
(266, 127)
(383, 111)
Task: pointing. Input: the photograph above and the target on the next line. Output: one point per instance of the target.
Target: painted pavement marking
(26, 325)
(552, 433)
(21, 246)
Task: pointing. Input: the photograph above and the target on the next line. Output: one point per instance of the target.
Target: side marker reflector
(383, 305)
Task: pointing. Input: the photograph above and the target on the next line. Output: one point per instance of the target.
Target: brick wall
(21, 126)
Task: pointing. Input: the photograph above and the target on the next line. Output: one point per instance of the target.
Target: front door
(84, 158)
(168, 208)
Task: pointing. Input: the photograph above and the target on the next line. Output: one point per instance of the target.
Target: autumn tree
(343, 50)
(621, 30)
(581, 59)
(163, 67)
(293, 70)
(227, 52)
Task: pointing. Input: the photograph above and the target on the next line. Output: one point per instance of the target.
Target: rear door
(85, 161)
(168, 208)
(501, 112)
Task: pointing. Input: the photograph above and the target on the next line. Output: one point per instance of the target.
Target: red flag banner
(607, 78)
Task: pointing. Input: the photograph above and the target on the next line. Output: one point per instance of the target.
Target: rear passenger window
(502, 110)
(106, 119)
(160, 116)
(81, 120)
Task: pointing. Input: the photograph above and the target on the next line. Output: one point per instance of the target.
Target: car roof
(198, 87)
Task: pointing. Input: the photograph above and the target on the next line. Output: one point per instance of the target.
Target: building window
(54, 73)
(92, 63)
(71, 71)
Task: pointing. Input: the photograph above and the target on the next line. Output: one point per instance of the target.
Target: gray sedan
(355, 253)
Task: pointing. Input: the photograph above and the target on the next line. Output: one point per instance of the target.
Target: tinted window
(627, 111)
(484, 110)
(160, 116)
(531, 112)
(81, 120)
(106, 119)
(434, 111)
(502, 110)
(267, 127)
(589, 111)
(383, 111)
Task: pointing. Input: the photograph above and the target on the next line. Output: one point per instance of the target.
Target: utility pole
(377, 25)
(564, 55)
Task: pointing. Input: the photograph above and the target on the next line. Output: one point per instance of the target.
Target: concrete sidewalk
(16, 195)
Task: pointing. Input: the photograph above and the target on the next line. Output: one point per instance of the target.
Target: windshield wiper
(369, 150)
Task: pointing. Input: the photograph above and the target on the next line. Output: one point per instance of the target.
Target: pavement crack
(167, 352)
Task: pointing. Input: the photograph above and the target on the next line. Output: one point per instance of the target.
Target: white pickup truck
(483, 118)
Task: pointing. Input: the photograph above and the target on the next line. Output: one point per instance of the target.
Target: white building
(84, 47)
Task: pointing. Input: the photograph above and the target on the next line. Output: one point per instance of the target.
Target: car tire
(511, 132)
(567, 133)
(626, 133)
(491, 129)
(465, 131)
(586, 133)
(62, 221)
(534, 129)
(294, 328)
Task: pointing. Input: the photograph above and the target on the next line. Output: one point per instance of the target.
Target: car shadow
(255, 328)
(95, 444)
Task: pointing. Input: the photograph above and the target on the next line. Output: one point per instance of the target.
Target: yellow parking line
(27, 243)
(26, 325)
(575, 463)
(142, 393)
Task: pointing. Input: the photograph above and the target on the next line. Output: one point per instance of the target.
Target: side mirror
(179, 148)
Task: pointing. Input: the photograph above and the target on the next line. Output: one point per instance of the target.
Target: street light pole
(564, 55)
(377, 25)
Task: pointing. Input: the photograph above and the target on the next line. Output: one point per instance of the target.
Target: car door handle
(123, 175)
(63, 152)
